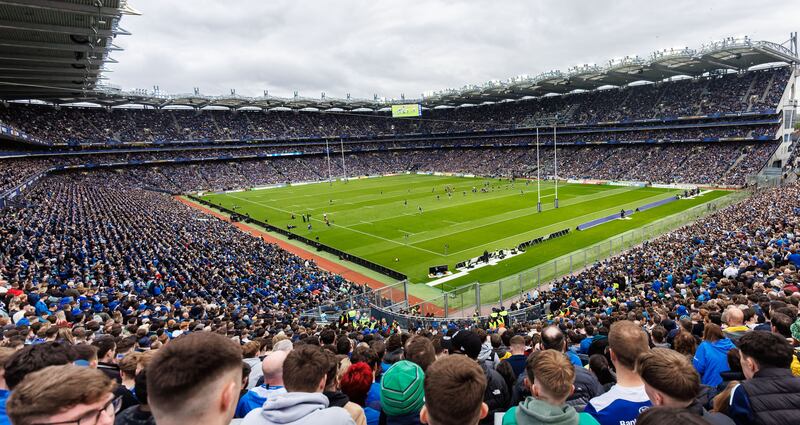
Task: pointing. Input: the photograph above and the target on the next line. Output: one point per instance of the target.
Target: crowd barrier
(463, 302)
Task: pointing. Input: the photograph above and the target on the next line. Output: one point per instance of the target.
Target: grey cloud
(365, 47)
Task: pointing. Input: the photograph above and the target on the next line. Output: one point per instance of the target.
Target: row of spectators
(727, 163)
(752, 91)
(698, 327)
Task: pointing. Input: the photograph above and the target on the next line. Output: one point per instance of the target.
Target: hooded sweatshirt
(488, 356)
(255, 371)
(711, 359)
(532, 411)
(298, 408)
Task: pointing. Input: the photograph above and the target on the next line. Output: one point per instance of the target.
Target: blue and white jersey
(619, 406)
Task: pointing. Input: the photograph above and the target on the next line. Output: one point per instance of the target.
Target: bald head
(553, 339)
(734, 317)
(272, 366)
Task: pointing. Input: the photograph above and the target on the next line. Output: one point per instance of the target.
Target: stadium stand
(704, 97)
(120, 304)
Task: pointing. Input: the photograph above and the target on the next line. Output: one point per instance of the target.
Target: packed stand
(753, 91)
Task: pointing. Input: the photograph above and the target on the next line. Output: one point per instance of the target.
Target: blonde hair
(344, 364)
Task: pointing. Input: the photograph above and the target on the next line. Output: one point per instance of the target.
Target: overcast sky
(392, 47)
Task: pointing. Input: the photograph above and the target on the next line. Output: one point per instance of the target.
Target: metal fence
(464, 302)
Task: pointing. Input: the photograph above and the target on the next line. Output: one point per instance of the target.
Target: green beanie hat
(795, 328)
(402, 389)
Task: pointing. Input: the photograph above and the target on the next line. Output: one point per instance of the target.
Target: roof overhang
(74, 83)
(56, 50)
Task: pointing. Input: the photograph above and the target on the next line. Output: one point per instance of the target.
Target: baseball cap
(467, 342)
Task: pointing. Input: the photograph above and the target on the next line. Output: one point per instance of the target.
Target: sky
(368, 47)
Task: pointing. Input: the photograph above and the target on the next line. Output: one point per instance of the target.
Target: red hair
(356, 382)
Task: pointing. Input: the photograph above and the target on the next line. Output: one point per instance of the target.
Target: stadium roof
(56, 49)
(70, 65)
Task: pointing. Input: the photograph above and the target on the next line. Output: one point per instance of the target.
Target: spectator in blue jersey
(711, 357)
(770, 394)
(272, 368)
(627, 399)
(518, 357)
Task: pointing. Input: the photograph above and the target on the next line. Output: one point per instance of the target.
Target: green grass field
(379, 219)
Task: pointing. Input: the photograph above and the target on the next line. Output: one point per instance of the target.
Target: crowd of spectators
(119, 304)
(723, 163)
(123, 305)
(753, 91)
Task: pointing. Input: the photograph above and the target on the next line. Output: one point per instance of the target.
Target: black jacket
(497, 395)
(774, 397)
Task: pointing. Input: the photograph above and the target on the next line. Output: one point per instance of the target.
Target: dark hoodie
(336, 398)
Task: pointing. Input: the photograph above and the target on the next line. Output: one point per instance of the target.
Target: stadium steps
(216, 125)
(767, 87)
(86, 121)
(624, 102)
(661, 94)
(175, 125)
(573, 107)
(704, 95)
(250, 127)
(304, 165)
(746, 97)
(750, 104)
(736, 163)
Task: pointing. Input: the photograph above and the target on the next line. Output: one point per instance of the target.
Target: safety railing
(476, 300)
